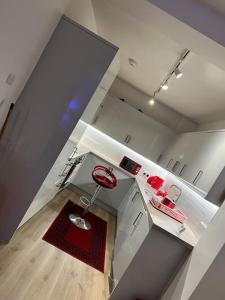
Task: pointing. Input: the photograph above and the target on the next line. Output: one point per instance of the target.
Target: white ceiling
(218, 5)
(199, 94)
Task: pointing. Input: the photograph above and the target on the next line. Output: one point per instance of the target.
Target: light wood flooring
(31, 269)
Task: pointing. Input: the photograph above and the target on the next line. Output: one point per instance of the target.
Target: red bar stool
(104, 179)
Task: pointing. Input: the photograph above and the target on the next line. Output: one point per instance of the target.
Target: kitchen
(138, 129)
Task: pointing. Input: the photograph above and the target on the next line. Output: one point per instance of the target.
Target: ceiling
(218, 5)
(199, 94)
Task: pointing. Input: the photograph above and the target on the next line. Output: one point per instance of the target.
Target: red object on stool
(155, 182)
(105, 179)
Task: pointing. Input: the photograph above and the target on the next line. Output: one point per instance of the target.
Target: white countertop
(162, 220)
(158, 218)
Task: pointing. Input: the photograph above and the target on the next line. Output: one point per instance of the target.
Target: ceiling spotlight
(178, 73)
(165, 86)
(151, 101)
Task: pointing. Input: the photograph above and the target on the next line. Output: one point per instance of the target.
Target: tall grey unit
(60, 87)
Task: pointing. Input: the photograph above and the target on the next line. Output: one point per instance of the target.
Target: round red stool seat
(104, 177)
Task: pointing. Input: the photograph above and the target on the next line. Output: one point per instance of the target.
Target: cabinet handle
(95, 119)
(127, 139)
(197, 178)
(62, 175)
(136, 193)
(69, 164)
(138, 219)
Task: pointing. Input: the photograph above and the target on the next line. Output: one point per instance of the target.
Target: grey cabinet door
(84, 181)
(55, 96)
(131, 234)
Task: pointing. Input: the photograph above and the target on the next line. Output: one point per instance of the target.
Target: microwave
(130, 166)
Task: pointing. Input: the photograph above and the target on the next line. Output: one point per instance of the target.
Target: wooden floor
(31, 269)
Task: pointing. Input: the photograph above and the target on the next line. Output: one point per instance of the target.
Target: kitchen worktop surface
(163, 221)
(158, 218)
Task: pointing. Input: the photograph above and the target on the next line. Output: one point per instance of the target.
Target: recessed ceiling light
(152, 101)
(165, 86)
(178, 73)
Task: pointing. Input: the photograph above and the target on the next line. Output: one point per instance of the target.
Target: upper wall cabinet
(133, 128)
(197, 157)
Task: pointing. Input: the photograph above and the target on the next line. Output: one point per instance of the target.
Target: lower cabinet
(132, 229)
(146, 258)
(108, 198)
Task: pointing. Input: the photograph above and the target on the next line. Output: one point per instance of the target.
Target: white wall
(198, 210)
(203, 255)
(102, 144)
(158, 112)
(25, 28)
(82, 12)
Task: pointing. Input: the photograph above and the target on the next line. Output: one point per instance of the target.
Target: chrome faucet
(178, 189)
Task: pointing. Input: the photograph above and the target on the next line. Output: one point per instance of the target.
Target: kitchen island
(149, 248)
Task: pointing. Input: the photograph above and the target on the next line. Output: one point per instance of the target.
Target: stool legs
(80, 221)
(97, 190)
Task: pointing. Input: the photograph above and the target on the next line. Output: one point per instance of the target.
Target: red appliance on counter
(172, 212)
(173, 195)
(130, 165)
(155, 181)
(168, 203)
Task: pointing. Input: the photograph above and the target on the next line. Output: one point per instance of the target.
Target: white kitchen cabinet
(131, 232)
(123, 208)
(140, 266)
(124, 218)
(82, 179)
(200, 156)
(143, 268)
(133, 128)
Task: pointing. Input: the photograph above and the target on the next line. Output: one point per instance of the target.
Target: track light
(152, 101)
(175, 70)
(178, 73)
(165, 86)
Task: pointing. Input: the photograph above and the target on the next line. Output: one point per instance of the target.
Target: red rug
(87, 246)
